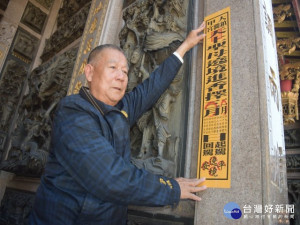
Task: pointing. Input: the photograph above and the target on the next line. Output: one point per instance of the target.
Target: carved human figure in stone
(176, 23)
(130, 17)
(25, 44)
(165, 28)
(129, 41)
(6, 112)
(161, 113)
(137, 19)
(31, 139)
(168, 16)
(154, 40)
(10, 89)
(157, 20)
(137, 69)
(34, 17)
(145, 125)
(135, 62)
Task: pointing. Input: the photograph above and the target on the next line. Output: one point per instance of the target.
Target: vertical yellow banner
(214, 155)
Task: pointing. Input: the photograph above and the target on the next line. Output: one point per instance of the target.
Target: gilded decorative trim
(3, 52)
(90, 39)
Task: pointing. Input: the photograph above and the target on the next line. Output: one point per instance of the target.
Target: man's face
(108, 76)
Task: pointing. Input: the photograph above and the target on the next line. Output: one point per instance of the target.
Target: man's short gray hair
(97, 50)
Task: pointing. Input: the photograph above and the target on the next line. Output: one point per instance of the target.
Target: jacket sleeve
(144, 96)
(91, 160)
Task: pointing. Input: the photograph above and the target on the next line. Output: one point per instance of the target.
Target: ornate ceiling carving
(71, 23)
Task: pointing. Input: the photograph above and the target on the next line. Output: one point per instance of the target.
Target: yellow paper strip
(214, 155)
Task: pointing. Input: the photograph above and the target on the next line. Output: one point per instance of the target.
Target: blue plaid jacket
(88, 178)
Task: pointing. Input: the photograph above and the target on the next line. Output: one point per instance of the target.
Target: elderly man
(89, 178)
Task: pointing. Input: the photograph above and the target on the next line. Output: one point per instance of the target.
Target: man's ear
(88, 71)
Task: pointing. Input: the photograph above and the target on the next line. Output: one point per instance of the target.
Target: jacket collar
(100, 106)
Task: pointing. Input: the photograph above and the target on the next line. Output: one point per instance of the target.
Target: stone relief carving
(15, 207)
(291, 137)
(24, 46)
(34, 18)
(152, 31)
(70, 27)
(13, 77)
(2, 141)
(30, 140)
(294, 198)
(68, 9)
(7, 32)
(293, 161)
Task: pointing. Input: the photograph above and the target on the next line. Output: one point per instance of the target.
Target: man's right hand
(189, 187)
(194, 37)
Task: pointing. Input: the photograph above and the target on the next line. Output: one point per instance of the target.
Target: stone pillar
(101, 28)
(258, 170)
(8, 26)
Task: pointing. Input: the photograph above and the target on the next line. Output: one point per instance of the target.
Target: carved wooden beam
(282, 12)
(289, 96)
(296, 54)
(288, 45)
(286, 34)
(281, 1)
(285, 24)
(289, 107)
(289, 71)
